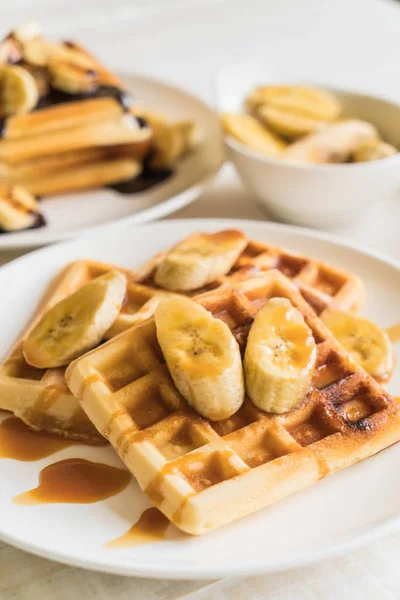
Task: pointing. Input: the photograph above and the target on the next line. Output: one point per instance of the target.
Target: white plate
(336, 514)
(73, 214)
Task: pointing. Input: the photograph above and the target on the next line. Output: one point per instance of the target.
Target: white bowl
(325, 196)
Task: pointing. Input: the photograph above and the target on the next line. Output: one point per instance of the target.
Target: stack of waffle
(68, 124)
(201, 473)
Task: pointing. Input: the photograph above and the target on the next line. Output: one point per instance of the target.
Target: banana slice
(280, 357)
(289, 124)
(335, 144)
(247, 130)
(73, 72)
(374, 151)
(202, 357)
(76, 324)
(27, 32)
(10, 51)
(37, 51)
(18, 91)
(367, 343)
(18, 208)
(170, 140)
(199, 259)
(316, 104)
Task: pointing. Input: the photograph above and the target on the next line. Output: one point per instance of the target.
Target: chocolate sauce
(55, 96)
(40, 221)
(3, 125)
(147, 179)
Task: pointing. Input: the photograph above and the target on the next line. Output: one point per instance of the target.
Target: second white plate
(73, 214)
(332, 516)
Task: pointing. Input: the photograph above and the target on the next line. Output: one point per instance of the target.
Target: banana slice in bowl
(202, 357)
(280, 357)
(76, 324)
(365, 341)
(311, 102)
(199, 259)
(247, 130)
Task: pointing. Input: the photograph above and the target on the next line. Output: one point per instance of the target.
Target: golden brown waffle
(204, 474)
(40, 397)
(321, 284)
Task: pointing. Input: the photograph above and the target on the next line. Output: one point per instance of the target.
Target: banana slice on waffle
(335, 144)
(202, 357)
(367, 343)
(280, 357)
(18, 91)
(247, 130)
(18, 208)
(374, 150)
(199, 259)
(76, 324)
(73, 72)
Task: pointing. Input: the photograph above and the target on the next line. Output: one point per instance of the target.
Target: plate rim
(147, 215)
(299, 559)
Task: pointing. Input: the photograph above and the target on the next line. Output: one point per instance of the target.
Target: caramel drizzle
(150, 528)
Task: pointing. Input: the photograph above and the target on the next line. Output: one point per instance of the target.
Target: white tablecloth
(348, 42)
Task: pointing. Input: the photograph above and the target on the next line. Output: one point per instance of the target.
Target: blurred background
(350, 42)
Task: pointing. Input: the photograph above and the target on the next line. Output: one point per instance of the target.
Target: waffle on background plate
(40, 396)
(203, 474)
(69, 124)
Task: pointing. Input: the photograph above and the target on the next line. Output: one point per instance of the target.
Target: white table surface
(347, 42)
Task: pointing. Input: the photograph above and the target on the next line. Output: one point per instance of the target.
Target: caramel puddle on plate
(19, 442)
(394, 333)
(75, 481)
(151, 527)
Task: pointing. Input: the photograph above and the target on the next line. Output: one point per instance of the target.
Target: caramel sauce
(75, 481)
(151, 527)
(394, 333)
(19, 442)
(50, 395)
(297, 333)
(326, 374)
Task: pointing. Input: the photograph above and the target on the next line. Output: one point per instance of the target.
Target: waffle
(39, 396)
(321, 284)
(204, 474)
(82, 107)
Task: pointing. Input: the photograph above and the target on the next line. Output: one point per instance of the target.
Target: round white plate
(73, 214)
(336, 514)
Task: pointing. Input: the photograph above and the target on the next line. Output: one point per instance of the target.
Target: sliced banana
(247, 130)
(37, 51)
(170, 140)
(18, 208)
(10, 51)
(367, 343)
(76, 324)
(18, 91)
(280, 357)
(335, 144)
(309, 102)
(202, 357)
(73, 72)
(27, 32)
(374, 151)
(288, 124)
(199, 259)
